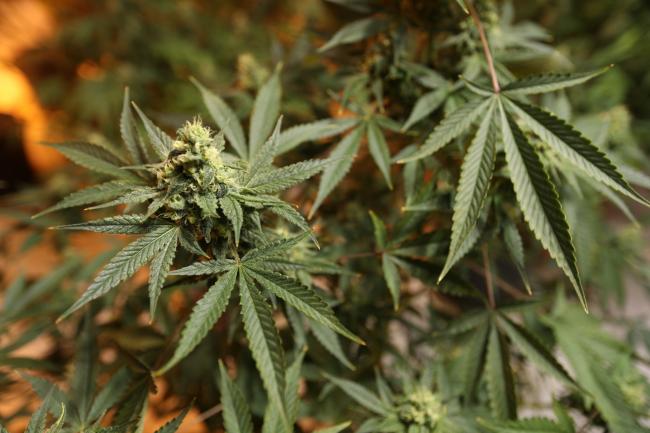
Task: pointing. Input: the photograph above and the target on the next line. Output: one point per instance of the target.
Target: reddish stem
(486, 48)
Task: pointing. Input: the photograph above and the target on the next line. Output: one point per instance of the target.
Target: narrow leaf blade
(204, 315)
(539, 200)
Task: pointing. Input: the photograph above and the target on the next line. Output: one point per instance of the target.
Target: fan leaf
(532, 348)
(392, 278)
(342, 157)
(266, 109)
(276, 180)
(265, 344)
(125, 264)
(549, 82)
(573, 146)
(204, 315)
(360, 394)
(318, 130)
(235, 214)
(121, 224)
(539, 200)
(160, 141)
(225, 118)
(379, 150)
(475, 177)
(94, 158)
(355, 31)
(237, 416)
(160, 266)
(499, 377)
(302, 298)
(128, 131)
(450, 127)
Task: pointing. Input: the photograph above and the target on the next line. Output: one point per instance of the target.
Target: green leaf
(188, 241)
(121, 224)
(39, 418)
(265, 344)
(291, 215)
(379, 150)
(160, 141)
(160, 266)
(94, 194)
(499, 377)
(361, 395)
(128, 131)
(477, 88)
(173, 425)
(342, 157)
(534, 350)
(124, 265)
(233, 211)
(425, 105)
(272, 249)
(292, 378)
(137, 194)
(321, 129)
(450, 127)
(304, 299)
(204, 315)
(82, 387)
(44, 389)
(110, 394)
(292, 389)
(330, 341)
(237, 416)
(335, 428)
(94, 158)
(379, 231)
(266, 109)
(573, 146)
(473, 359)
(549, 82)
(225, 118)
(355, 31)
(591, 352)
(58, 424)
(392, 278)
(515, 248)
(15, 303)
(531, 425)
(475, 177)
(262, 159)
(276, 180)
(539, 201)
(564, 420)
(207, 267)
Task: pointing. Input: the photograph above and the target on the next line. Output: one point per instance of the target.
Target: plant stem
(486, 48)
(488, 276)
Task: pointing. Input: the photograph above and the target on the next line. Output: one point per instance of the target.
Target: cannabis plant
(453, 274)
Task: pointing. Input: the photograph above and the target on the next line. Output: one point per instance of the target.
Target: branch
(486, 48)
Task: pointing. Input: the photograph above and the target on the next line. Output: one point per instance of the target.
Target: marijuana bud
(421, 408)
(194, 177)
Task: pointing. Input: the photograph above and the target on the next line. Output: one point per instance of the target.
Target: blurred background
(65, 63)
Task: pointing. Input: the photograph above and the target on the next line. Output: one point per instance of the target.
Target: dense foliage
(458, 262)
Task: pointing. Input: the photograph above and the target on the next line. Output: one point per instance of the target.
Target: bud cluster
(194, 176)
(421, 408)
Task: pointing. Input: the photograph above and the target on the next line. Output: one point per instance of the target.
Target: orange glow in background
(23, 24)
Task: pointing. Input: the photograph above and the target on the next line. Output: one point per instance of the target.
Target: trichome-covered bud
(193, 176)
(421, 408)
